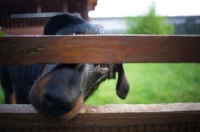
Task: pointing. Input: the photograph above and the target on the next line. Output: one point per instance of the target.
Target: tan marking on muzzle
(75, 110)
(37, 90)
(12, 98)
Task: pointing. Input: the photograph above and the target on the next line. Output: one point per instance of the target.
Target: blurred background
(183, 15)
(149, 82)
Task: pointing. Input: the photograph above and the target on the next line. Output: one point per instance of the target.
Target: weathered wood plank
(24, 31)
(24, 116)
(112, 108)
(98, 49)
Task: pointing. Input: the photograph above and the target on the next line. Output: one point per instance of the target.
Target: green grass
(153, 83)
(1, 90)
(1, 96)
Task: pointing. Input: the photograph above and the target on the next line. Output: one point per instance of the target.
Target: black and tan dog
(59, 90)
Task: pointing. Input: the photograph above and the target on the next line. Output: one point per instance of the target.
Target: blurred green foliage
(153, 83)
(1, 90)
(1, 95)
(1, 32)
(149, 23)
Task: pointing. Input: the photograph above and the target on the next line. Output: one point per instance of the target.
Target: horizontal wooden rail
(98, 49)
(25, 116)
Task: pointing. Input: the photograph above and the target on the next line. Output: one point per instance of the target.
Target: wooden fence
(183, 117)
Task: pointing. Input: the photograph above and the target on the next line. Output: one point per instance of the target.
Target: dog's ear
(58, 22)
(122, 87)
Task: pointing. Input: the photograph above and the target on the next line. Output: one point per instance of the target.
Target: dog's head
(62, 88)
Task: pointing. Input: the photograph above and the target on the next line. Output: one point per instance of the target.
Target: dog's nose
(60, 91)
(58, 102)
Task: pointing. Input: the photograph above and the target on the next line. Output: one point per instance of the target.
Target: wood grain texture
(98, 49)
(112, 108)
(24, 31)
(24, 116)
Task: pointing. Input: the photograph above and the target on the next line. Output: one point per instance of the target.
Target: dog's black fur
(60, 89)
(18, 80)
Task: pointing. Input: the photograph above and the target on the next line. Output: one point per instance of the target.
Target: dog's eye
(103, 65)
